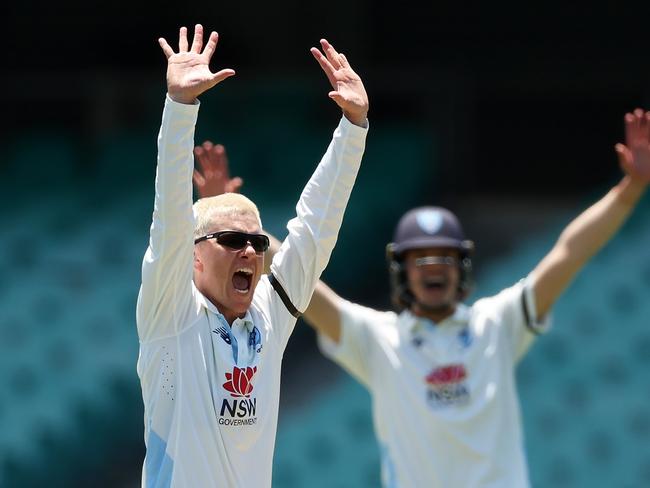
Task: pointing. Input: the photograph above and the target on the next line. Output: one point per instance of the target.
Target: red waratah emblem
(240, 381)
(447, 374)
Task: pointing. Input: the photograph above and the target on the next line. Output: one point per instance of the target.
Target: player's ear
(198, 263)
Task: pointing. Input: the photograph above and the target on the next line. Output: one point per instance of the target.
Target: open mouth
(242, 280)
(435, 283)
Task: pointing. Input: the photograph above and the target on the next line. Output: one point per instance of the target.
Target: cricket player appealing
(212, 329)
(442, 374)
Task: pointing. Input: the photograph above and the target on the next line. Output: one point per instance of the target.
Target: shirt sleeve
(360, 330)
(515, 312)
(165, 294)
(319, 213)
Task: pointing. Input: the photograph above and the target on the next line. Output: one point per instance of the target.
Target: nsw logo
(240, 411)
(447, 386)
(240, 381)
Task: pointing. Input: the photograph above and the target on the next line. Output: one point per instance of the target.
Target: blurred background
(505, 112)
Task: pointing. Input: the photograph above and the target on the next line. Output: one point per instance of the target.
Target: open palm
(347, 88)
(213, 176)
(188, 70)
(634, 155)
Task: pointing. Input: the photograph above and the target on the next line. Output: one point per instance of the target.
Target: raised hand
(634, 155)
(188, 71)
(213, 178)
(348, 91)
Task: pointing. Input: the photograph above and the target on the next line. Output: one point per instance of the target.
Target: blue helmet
(424, 227)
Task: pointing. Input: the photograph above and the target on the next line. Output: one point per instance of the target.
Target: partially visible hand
(634, 155)
(348, 90)
(188, 72)
(213, 178)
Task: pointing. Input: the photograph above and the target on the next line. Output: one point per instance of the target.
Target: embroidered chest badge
(255, 340)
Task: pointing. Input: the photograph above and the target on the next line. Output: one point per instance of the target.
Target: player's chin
(435, 299)
(241, 300)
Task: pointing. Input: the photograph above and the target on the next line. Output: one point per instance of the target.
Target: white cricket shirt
(211, 391)
(444, 399)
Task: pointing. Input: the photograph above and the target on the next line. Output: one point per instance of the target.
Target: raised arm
(312, 234)
(324, 310)
(167, 264)
(592, 229)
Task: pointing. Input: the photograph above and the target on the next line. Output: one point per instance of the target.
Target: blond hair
(208, 211)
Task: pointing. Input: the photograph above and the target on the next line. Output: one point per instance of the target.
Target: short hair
(207, 211)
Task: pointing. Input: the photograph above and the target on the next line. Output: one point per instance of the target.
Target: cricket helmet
(425, 227)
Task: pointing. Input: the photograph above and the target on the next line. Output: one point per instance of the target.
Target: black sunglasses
(238, 240)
